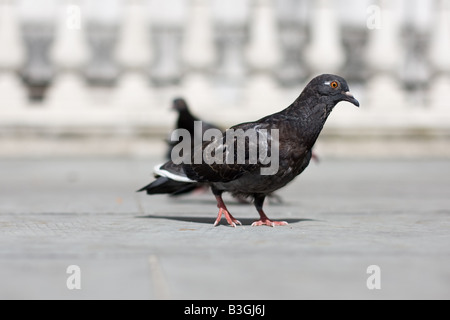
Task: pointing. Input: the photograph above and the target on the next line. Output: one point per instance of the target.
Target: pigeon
(186, 120)
(289, 135)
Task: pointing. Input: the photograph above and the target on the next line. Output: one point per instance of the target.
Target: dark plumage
(186, 120)
(298, 127)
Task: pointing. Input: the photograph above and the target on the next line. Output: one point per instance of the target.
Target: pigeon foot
(268, 222)
(230, 219)
(223, 210)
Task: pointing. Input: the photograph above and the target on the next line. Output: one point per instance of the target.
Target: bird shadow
(208, 220)
(230, 202)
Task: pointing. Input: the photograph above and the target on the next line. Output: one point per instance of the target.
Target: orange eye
(334, 84)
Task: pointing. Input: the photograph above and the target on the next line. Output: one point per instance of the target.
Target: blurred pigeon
(291, 133)
(186, 120)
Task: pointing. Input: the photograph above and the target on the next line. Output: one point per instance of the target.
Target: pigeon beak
(348, 96)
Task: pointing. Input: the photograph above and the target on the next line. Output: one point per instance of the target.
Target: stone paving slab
(344, 216)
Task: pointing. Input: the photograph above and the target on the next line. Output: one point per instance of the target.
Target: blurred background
(97, 77)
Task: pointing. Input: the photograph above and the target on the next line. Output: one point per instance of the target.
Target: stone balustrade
(111, 67)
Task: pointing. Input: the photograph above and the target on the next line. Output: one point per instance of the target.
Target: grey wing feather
(239, 151)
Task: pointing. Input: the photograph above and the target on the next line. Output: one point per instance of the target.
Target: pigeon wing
(231, 156)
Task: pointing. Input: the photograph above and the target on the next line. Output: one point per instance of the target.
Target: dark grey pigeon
(297, 127)
(186, 120)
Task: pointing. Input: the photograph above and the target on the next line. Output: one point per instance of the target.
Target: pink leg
(201, 190)
(264, 220)
(267, 222)
(315, 157)
(223, 210)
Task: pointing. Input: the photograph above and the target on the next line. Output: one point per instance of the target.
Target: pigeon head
(179, 104)
(332, 89)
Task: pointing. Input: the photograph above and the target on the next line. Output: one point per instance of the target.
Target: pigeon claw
(268, 222)
(230, 219)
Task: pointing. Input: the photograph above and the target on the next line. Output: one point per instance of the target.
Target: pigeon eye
(334, 84)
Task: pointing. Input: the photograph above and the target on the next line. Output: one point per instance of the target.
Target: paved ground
(344, 217)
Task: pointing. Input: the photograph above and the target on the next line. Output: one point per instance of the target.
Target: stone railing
(110, 67)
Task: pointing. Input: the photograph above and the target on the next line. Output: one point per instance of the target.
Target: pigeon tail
(164, 185)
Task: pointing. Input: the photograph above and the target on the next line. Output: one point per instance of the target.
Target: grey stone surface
(344, 215)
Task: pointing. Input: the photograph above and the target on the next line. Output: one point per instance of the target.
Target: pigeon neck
(185, 115)
(307, 108)
(309, 113)
(185, 112)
